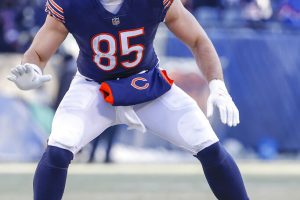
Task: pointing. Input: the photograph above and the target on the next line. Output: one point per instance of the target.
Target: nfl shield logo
(115, 21)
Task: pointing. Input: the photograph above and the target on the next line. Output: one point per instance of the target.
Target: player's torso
(113, 45)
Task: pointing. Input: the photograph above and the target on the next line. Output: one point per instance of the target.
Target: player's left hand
(220, 98)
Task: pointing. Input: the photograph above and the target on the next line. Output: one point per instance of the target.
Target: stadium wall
(262, 72)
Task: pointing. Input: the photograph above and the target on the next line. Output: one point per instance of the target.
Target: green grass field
(264, 181)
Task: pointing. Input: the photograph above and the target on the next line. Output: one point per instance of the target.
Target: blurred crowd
(19, 22)
(20, 19)
(250, 13)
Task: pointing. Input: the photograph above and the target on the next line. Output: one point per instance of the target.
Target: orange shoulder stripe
(56, 6)
(165, 2)
(56, 14)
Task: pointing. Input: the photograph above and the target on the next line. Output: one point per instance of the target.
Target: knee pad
(196, 131)
(57, 157)
(67, 131)
(213, 155)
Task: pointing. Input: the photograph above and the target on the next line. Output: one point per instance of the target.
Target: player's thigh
(176, 117)
(81, 116)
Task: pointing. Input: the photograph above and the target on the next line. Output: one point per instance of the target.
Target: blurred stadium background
(258, 43)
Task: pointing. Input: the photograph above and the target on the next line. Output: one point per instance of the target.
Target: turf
(152, 182)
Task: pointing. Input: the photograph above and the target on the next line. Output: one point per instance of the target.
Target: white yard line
(276, 168)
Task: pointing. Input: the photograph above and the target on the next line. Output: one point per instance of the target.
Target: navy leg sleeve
(222, 173)
(51, 174)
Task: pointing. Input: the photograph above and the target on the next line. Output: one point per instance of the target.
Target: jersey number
(111, 52)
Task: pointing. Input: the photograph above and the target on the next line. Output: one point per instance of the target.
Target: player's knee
(196, 131)
(212, 155)
(67, 131)
(58, 157)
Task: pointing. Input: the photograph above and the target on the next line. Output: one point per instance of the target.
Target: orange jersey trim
(107, 93)
(166, 77)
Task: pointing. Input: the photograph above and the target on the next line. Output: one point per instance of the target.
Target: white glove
(220, 98)
(28, 76)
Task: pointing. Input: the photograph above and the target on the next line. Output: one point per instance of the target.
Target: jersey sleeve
(166, 4)
(55, 9)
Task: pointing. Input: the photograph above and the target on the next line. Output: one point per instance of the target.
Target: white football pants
(83, 115)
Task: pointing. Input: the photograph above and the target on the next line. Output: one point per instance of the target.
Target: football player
(115, 38)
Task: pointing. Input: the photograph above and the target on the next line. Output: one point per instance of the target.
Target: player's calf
(222, 173)
(51, 173)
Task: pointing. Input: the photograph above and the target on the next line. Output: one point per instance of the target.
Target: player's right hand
(28, 76)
